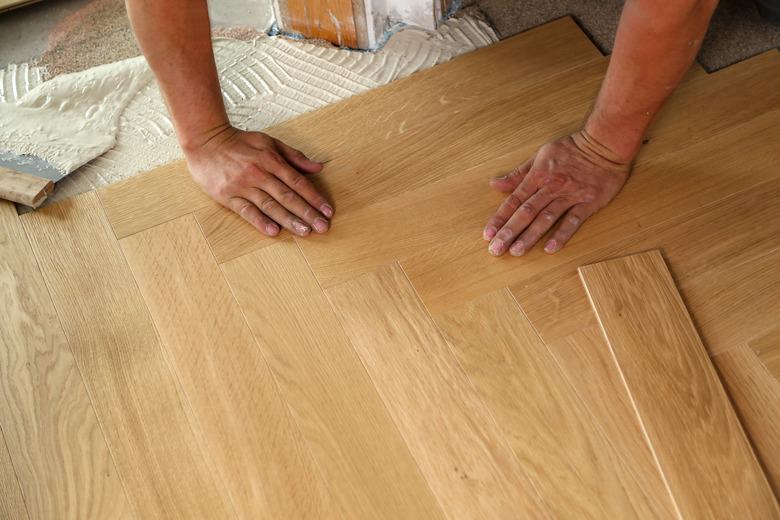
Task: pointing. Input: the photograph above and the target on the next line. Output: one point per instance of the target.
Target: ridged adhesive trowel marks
(27, 179)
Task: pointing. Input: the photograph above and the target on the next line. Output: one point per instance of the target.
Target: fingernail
(501, 178)
(320, 225)
(495, 247)
(300, 227)
(326, 210)
(517, 249)
(489, 233)
(272, 229)
(551, 246)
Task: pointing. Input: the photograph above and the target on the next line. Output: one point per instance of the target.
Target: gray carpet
(736, 33)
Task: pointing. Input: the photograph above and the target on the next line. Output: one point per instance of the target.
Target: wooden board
(11, 499)
(117, 350)
(359, 449)
(572, 463)
(49, 425)
(267, 467)
(767, 348)
(756, 396)
(467, 461)
(699, 445)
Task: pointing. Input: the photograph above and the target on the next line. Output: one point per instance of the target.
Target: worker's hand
(568, 180)
(260, 178)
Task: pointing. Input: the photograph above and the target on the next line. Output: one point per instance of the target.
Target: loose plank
(359, 450)
(466, 459)
(11, 500)
(574, 466)
(119, 355)
(265, 463)
(694, 433)
(53, 436)
(756, 396)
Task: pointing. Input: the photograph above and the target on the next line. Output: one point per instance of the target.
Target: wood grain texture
(267, 467)
(11, 499)
(230, 236)
(466, 459)
(699, 445)
(331, 20)
(572, 463)
(117, 350)
(756, 396)
(767, 348)
(151, 198)
(61, 458)
(24, 188)
(454, 270)
(360, 451)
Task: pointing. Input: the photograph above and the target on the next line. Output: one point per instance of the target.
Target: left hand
(568, 179)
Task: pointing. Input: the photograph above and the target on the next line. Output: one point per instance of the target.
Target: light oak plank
(453, 270)
(694, 433)
(465, 457)
(767, 348)
(430, 97)
(152, 198)
(756, 396)
(585, 360)
(53, 436)
(117, 350)
(263, 458)
(708, 249)
(359, 450)
(11, 500)
(573, 464)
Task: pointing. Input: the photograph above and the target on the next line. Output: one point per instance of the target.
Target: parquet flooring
(160, 359)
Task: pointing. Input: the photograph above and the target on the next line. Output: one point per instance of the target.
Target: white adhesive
(119, 113)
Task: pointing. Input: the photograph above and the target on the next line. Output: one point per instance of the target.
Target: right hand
(261, 179)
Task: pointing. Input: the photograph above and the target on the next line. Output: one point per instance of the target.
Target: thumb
(297, 159)
(509, 182)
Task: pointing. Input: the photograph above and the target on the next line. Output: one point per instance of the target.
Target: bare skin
(571, 178)
(251, 173)
(565, 182)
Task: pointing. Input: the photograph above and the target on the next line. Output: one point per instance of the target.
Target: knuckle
(527, 209)
(298, 182)
(574, 220)
(267, 204)
(513, 200)
(547, 215)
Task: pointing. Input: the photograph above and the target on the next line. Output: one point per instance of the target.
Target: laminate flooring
(161, 359)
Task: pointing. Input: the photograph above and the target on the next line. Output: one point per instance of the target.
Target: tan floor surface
(161, 359)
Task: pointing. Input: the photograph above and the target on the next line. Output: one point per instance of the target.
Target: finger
(271, 208)
(293, 203)
(512, 180)
(297, 158)
(518, 222)
(541, 225)
(569, 225)
(508, 208)
(249, 212)
(302, 186)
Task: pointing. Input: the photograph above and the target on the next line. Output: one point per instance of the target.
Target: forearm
(655, 45)
(175, 37)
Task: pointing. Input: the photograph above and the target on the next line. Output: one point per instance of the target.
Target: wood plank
(585, 360)
(230, 236)
(53, 436)
(708, 250)
(11, 500)
(756, 396)
(329, 20)
(466, 459)
(359, 450)
(453, 270)
(431, 96)
(262, 456)
(698, 442)
(117, 350)
(151, 198)
(767, 348)
(573, 464)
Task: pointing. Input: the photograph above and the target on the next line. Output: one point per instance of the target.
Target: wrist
(620, 139)
(192, 141)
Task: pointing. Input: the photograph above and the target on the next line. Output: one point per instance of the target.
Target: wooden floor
(161, 359)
